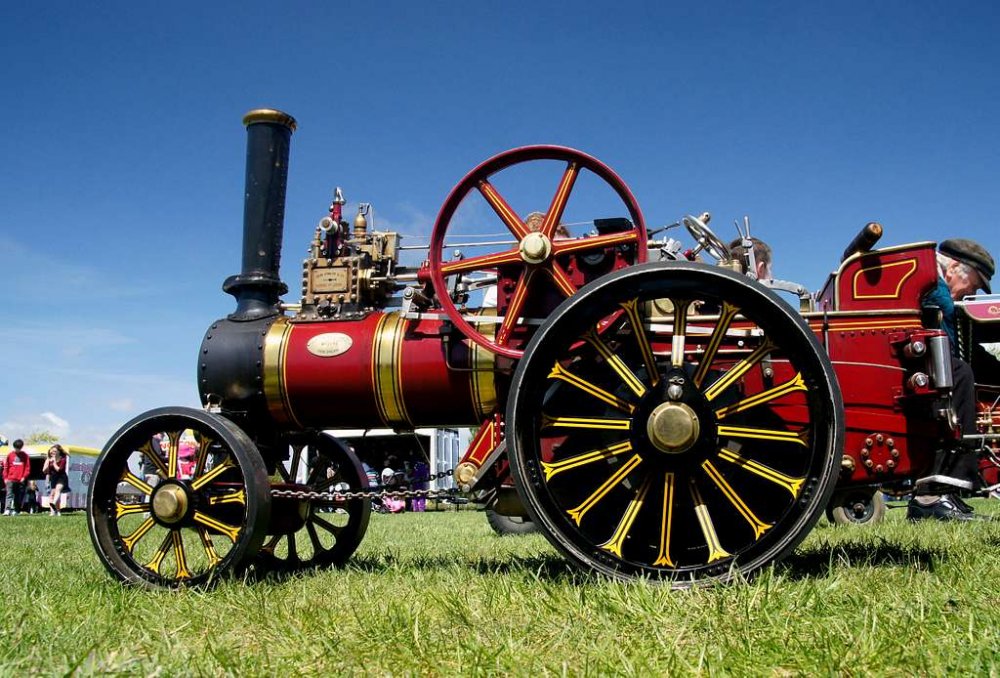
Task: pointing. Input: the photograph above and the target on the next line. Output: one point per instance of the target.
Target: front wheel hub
(170, 504)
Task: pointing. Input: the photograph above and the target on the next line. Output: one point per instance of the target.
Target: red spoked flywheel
(536, 254)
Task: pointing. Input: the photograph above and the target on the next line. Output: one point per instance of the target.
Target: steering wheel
(535, 253)
(709, 242)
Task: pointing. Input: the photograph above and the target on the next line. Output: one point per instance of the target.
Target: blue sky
(122, 174)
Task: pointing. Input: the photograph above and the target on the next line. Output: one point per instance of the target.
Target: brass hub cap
(170, 504)
(535, 248)
(673, 428)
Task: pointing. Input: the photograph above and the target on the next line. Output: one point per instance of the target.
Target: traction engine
(667, 419)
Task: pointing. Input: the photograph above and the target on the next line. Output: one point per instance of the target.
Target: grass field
(440, 594)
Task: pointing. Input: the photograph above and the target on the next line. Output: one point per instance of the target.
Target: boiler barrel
(379, 371)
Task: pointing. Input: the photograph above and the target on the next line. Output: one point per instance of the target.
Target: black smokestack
(258, 287)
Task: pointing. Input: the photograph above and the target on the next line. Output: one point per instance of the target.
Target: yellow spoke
(136, 482)
(182, 570)
(725, 318)
(796, 383)
(800, 437)
(614, 545)
(559, 372)
(231, 531)
(130, 541)
(759, 526)
(550, 469)
(666, 520)
(616, 364)
(715, 550)
(680, 332)
(204, 444)
(738, 370)
(173, 453)
(237, 497)
(206, 541)
(793, 485)
(632, 311)
(160, 554)
(129, 509)
(577, 513)
(154, 456)
(587, 422)
(201, 481)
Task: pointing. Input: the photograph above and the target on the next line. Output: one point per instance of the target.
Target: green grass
(440, 594)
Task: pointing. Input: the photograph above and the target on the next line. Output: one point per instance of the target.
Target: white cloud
(23, 425)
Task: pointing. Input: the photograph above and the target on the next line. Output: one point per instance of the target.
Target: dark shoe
(943, 509)
(960, 504)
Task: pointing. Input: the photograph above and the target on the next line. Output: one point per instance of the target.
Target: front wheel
(674, 421)
(856, 507)
(178, 496)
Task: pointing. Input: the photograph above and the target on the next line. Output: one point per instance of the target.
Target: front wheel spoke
(136, 482)
(154, 457)
(204, 444)
(481, 262)
(314, 538)
(293, 471)
(798, 437)
(793, 485)
(586, 422)
(666, 521)
(729, 312)
(738, 370)
(293, 549)
(638, 329)
(270, 545)
(182, 569)
(796, 383)
(130, 509)
(715, 550)
(205, 479)
(560, 372)
(329, 527)
(615, 362)
(513, 311)
(559, 200)
(157, 560)
(614, 545)
(759, 526)
(231, 531)
(236, 497)
(173, 453)
(131, 540)
(502, 209)
(577, 513)
(206, 543)
(551, 469)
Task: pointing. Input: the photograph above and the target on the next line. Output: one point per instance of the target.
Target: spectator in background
(56, 470)
(17, 468)
(761, 256)
(421, 474)
(30, 502)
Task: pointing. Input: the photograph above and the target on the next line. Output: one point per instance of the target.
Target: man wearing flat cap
(964, 266)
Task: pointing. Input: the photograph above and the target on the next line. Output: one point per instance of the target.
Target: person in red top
(17, 468)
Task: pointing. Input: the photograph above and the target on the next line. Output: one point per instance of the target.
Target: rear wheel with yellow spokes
(178, 496)
(675, 421)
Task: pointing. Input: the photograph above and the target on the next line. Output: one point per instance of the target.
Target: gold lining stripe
(276, 343)
(884, 267)
(387, 349)
(482, 384)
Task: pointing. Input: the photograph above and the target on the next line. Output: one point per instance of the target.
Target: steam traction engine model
(666, 419)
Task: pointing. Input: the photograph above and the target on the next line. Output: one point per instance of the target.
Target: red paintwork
(339, 391)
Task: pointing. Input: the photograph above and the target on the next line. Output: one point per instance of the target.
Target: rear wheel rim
(743, 466)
